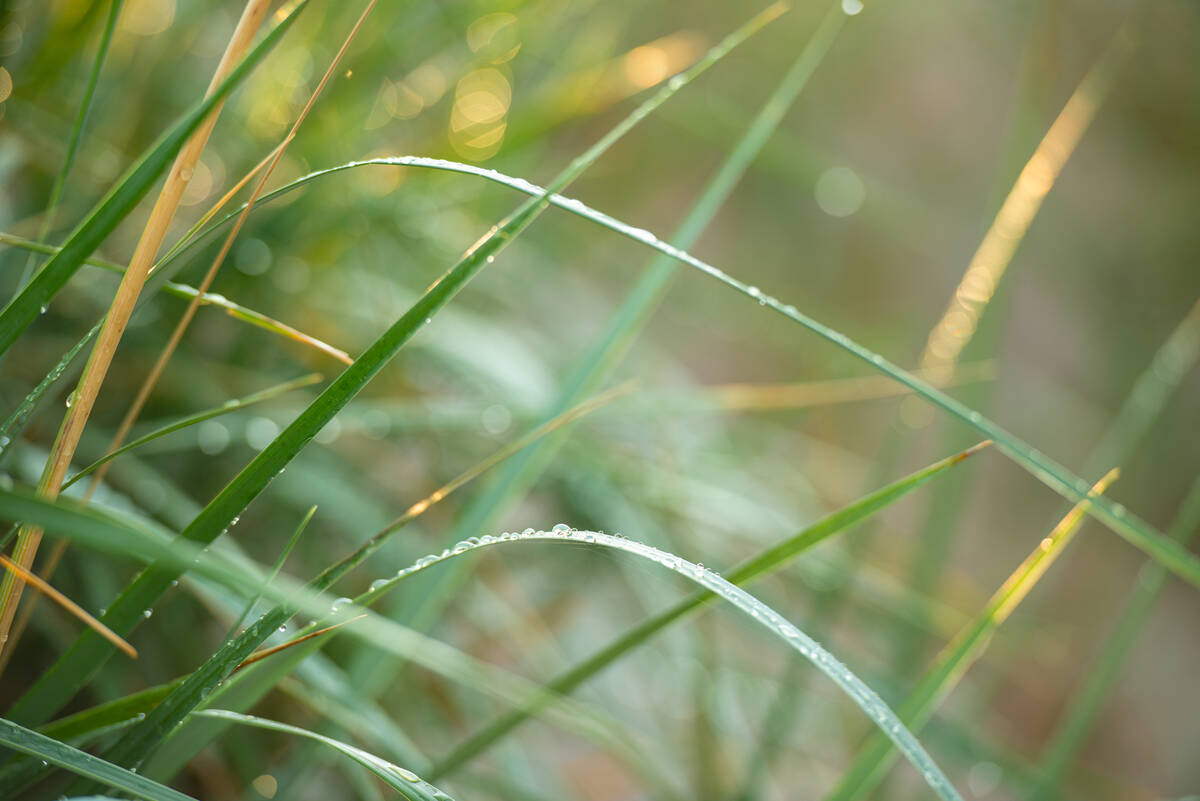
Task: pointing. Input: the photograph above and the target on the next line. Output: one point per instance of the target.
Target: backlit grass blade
(402, 780)
(1086, 702)
(226, 408)
(111, 533)
(73, 670)
(765, 562)
(1133, 529)
(873, 762)
(862, 695)
(42, 747)
(125, 194)
(136, 744)
(234, 310)
(103, 532)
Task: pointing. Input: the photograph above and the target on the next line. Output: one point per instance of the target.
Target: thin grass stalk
(84, 397)
(87, 653)
(85, 105)
(1075, 724)
(877, 756)
(143, 393)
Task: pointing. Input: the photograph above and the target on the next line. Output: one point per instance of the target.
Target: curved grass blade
(85, 105)
(870, 703)
(112, 533)
(1058, 478)
(125, 194)
(1085, 703)
(767, 561)
(42, 747)
(226, 408)
(403, 781)
(234, 310)
(872, 763)
(238, 652)
(87, 654)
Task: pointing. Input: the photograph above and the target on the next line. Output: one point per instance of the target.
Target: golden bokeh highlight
(478, 118)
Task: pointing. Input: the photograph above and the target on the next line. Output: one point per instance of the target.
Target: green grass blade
(116, 534)
(234, 310)
(283, 555)
(226, 408)
(86, 655)
(862, 695)
(42, 747)
(873, 762)
(1133, 529)
(1073, 727)
(403, 781)
(121, 199)
(85, 105)
(11, 428)
(768, 560)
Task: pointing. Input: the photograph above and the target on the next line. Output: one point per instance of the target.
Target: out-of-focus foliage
(863, 209)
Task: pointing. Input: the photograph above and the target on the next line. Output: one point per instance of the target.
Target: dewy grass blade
(1114, 516)
(87, 654)
(402, 780)
(765, 562)
(234, 310)
(870, 767)
(136, 744)
(1085, 704)
(120, 200)
(111, 533)
(106, 533)
(283, 555)
(226, 408)
(42, 747)
(95, 369)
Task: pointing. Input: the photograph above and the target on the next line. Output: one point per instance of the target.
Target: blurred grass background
(863, 210)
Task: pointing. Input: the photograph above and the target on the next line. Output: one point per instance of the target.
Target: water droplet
(339, 603)
(528, 532)
(43, 309)
(376, 584)
(560, 528)
(147, 612)
(676, 83)
(408, 774)
(282, 628)
(1118, 510)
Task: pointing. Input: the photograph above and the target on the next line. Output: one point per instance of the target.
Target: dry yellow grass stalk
(66, 603)
(84, 397)
(139, 401)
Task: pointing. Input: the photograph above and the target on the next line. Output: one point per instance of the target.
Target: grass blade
(114, 534)
(403, 781)
(870, 767)
(86, 655)
(765, 562)
(42, 747)
(85, 105)
(234, 310)
(66, 603)
(1058, 478)
(199, 417)
(1073, 727)
(120, 200)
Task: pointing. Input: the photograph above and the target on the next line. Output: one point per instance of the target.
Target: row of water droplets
(1034, 459)
(828, 664)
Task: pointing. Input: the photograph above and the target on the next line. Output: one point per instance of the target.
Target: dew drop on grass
(560, 528)
(147, 612)
(376, 584)
(339, 603)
